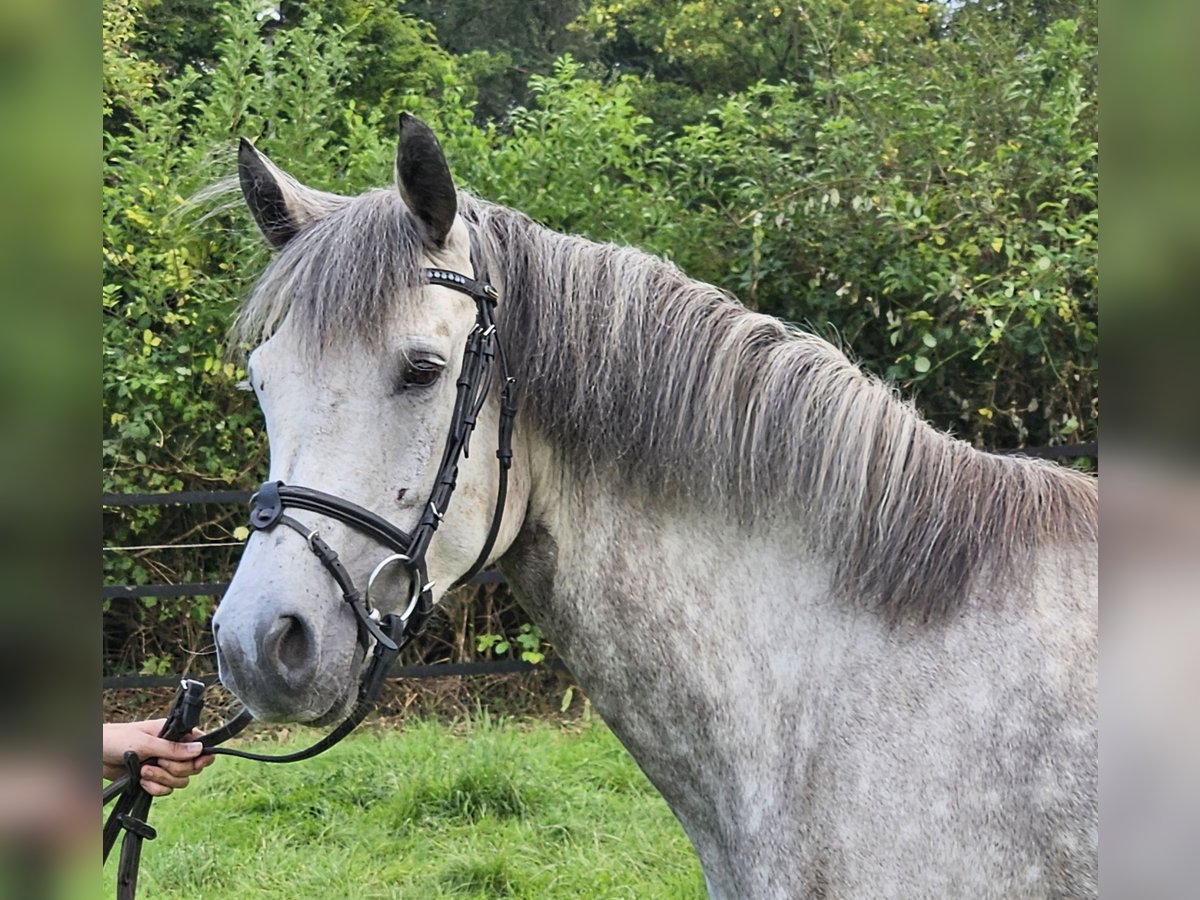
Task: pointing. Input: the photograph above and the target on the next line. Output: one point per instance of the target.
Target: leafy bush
(944, 226)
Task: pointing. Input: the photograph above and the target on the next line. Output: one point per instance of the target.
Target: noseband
(387, 633)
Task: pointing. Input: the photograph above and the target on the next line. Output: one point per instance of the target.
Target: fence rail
(492, 667)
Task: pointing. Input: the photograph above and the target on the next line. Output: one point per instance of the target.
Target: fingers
(140, 737)
(159, 775)
(157, 788)
(136, 736)
(153, 745)
(174, 761)
(165, 749)
(160, 779)
(195, 737)
(185, 767)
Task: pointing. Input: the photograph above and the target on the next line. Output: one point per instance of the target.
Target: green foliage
(390, 56)
(178, 34)
(595, 163)
(500, 44)
(719, 46)
(169, 415)
(943, 223)
(528, 643)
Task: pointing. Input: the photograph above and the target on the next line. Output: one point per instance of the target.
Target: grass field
(485, 809)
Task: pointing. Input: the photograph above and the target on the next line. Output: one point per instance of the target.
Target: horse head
(368, 321)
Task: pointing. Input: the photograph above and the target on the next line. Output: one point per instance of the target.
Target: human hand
(175, 761)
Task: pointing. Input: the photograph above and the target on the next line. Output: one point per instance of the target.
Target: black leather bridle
(383, 636)
(268, 505)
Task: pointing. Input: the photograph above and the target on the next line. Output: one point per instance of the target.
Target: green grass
(478, 811)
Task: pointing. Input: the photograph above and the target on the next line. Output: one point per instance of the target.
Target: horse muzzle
(286, 666)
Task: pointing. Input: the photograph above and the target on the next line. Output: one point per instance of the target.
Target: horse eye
(420, 373)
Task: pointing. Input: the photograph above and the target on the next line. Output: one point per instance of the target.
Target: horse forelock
(339, 277)
(638, 372)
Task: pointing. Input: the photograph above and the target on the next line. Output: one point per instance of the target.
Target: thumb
(164, 749)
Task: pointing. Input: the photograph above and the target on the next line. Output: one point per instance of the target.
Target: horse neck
(656, 395)
(610, 569)
(606, 549)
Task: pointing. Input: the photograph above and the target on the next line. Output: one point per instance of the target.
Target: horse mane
(634, 369)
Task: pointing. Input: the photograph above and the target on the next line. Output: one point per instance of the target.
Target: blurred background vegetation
(915, 181)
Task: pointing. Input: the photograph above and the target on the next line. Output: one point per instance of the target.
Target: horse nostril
(289, 643)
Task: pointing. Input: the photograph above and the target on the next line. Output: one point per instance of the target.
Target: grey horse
(856, 656)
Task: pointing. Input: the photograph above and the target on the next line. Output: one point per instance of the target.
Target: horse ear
(281, 206)
(261, 187)
(424, 180)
